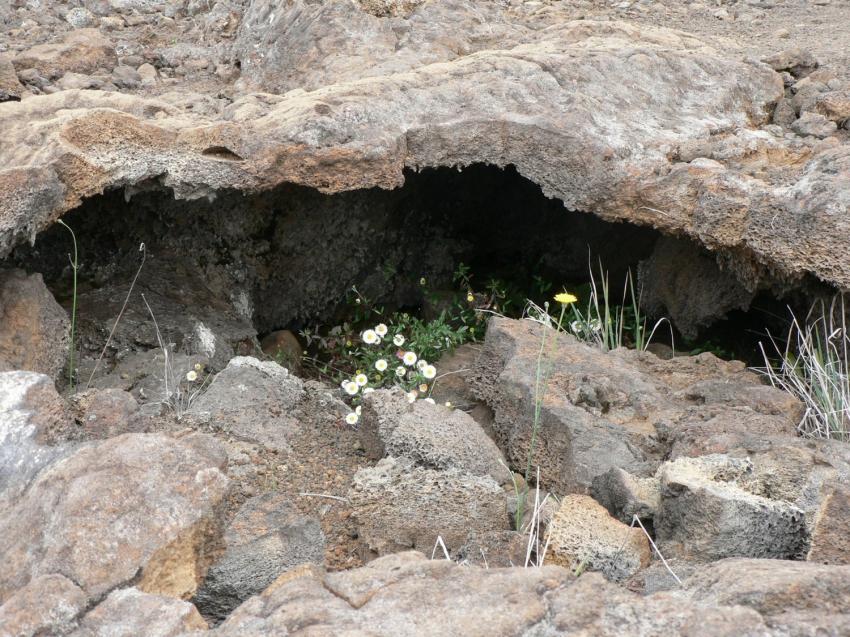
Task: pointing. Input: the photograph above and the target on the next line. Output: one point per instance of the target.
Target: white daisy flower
(409, 358)
(368, 390)
(381, 330)
(358, 410)
(351, 387)
(352, 418)
(429, 371)
(362, 380)
(370, 337)
(576, 327)
(381, 365)
(398, 340)
(448, 404)
(411, 396)
(192, 376)
(423, 388)
(421, 364)
(429, 400)
(400, 371)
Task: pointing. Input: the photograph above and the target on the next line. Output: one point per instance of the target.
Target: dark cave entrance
(286, 258)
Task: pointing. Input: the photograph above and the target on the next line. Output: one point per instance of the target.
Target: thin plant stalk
(74, 267)
(120, 314)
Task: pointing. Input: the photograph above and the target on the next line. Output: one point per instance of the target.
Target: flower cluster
(385, 362)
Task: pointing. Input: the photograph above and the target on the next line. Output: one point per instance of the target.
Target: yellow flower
(469, 297)
(565, 298)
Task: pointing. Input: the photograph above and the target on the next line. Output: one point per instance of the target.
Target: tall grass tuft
(814, 366)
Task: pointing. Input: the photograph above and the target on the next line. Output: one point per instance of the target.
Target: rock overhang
(596, 114)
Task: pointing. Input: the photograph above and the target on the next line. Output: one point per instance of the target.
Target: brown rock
(830, 538)
(34, 329)
(104, 413)
(129, 612)
(79, 51)
(814, 124)
(47, 605)
(284, 348)
(582, 535)
(135, 503)
(835, 105)
(798, 62)
(407, 595)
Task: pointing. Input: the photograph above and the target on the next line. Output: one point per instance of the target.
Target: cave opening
(225, 270)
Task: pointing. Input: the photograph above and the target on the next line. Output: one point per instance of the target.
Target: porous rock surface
(266, 538)
(602, 115)
(134, 506)
(399, 506)
(34, 329)
(602, 411)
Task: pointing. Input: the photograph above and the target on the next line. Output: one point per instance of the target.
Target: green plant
(814, 366)
(74, 268)
(602, 323)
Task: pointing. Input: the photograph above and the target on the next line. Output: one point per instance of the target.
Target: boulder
(830, 541)
(266, 538)
(795, 598)
(433, 436)
(600, 411)
(31, 412)
(79, 51)
(10, 88)
(252, 400)
(399, 506)
(136, 507)
(583, 536)
(626, 496)
(47, 605)
(407, 595)
(814, 124)
(104, 413)
(34, 329)
(129, 612)
(799, 62)
(706, 513)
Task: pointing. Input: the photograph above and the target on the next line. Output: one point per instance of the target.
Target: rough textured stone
(10, 88)
(104, 413)
(799, 62)
(496, 549)
(135, 503)
(80, 51)
(795, 598)
(252, 400)
(47, 605)
(400, 506)
(626, 496)
(407, 595)
(583, 535)
(814, 124)
(607, 410)
(707, 514)
(129, 612)
(30, 413)
(266, 538)
(34, 329)
(686, 285)
(433, 436)
(830, 539)
(575, 76)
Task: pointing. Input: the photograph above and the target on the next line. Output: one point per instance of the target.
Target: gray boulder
(433, 436)
(399, 506)
(706, 513)
(266, 538)
(252, 400)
